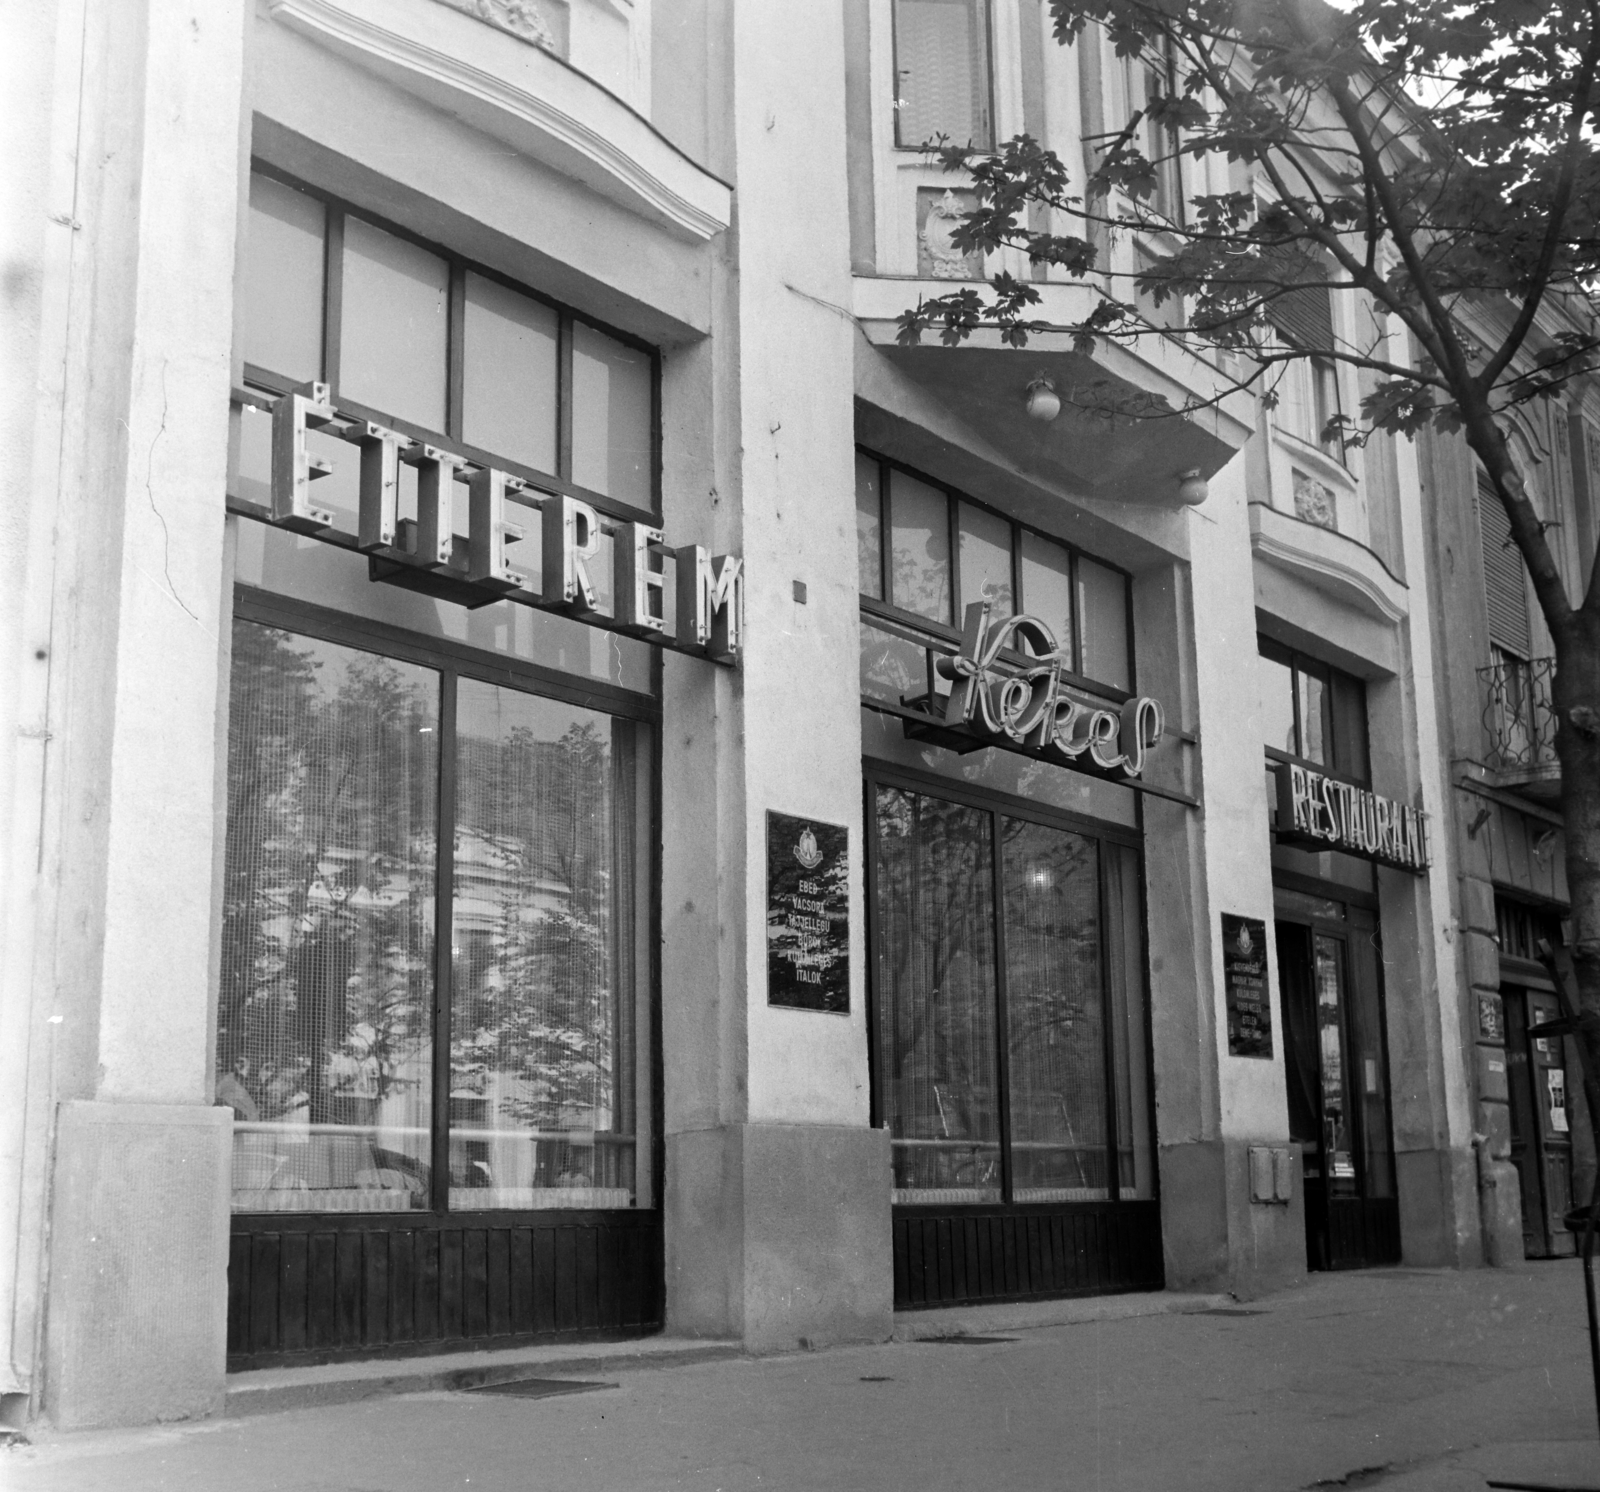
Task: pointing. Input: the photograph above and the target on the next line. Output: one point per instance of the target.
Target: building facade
(559, 781)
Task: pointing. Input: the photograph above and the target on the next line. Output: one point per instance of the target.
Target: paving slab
(1407, 1381)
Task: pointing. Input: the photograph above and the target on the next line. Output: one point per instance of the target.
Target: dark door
(1541, 1142)
(1337, 1069)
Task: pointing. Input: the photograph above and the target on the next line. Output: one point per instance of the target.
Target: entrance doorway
(1329, 968)
(1541, 1138)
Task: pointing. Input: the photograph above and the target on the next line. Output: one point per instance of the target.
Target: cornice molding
(1332, 562)
(524, 96)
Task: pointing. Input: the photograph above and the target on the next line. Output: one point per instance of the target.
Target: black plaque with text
(808, 914)
(1244, 977)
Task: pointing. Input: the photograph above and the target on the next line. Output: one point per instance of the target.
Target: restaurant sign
(1321, 813)
(1021, 701)
(425, 553)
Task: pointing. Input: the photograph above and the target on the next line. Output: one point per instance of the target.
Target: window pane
(508, 375)
(323, 1028)
(1125, 972)
(1277, 704)
(282, 288)
(1056, 1014)
(1372, 1080)
(936, 1011)
(542, 1079)
(1103, 618)
(985, 559)
(920, 547)
(869, 526)
(611, 417)
(941, 58)
(1047, 588)
(1337, 1144)
(393, 326)
(1313, 745)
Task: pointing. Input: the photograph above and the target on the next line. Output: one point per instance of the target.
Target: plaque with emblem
(1244, 980)
(808, 914)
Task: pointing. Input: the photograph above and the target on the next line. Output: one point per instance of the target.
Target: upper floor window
(1505, 583)
(1309, 398)
(941, 73)
(1148, 78)
(1312, 711)
(929, 552)
(434, 346)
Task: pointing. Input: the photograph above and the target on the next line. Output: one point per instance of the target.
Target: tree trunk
(1576, 696)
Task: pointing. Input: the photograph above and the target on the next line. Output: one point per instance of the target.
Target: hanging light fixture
(1192, 488)
(1043, 402)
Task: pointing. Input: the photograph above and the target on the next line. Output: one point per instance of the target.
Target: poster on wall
(1244, 981)
(808, 914)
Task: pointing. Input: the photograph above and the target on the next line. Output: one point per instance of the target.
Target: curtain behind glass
(941, 53)
(1055, 1013)
(542, 1081)
(323, 1039)
(936, 1008)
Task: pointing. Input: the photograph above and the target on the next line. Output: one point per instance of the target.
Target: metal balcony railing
(1519, 719)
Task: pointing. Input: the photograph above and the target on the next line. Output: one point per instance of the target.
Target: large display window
(433, 969)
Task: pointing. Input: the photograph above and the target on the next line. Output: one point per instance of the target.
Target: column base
(137, 1301)
(779, 1234)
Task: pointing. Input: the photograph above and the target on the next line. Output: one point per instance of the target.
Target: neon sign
(1025, 706)
(426, 554)
(1323, 813)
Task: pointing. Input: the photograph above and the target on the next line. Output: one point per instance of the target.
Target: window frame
(984, 10)
(885, 610)
(877, 773)
(453, 662)
(336, 209)
(1298, 663)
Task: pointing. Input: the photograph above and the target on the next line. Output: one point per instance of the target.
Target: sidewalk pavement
(1404, 1380)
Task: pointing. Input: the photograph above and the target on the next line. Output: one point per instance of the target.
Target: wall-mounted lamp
(1484, 815)
(1192, 488)
(1044, 403)
(1543, 843)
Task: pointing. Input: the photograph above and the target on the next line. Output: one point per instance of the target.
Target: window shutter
(1305, 317)
(1505, 586)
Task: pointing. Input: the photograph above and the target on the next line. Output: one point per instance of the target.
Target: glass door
(1337, 1078)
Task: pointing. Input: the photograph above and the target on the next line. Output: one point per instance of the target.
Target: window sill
(521, 95)
(1332, 562)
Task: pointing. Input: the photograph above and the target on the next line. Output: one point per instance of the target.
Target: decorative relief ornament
(1313, 501)
(522, 18)
(941, 259)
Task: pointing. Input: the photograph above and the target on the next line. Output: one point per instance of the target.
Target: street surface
(1404, 1380)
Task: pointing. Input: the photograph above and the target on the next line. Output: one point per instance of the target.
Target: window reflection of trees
(327, 915)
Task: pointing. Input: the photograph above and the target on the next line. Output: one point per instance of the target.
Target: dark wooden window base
(964, 1256)
(325, 1288)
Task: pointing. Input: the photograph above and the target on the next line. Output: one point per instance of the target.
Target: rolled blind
(1505, 586)
(1305, 317)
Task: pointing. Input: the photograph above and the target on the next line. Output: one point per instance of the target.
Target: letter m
(710, 602)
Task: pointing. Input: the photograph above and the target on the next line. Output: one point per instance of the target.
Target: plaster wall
(109, 929)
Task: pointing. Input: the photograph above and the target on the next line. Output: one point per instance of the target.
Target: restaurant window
(415, 338)
(941, 73)
(434, 973)
(1312, 712)
(1009, 1012)
(925, 554)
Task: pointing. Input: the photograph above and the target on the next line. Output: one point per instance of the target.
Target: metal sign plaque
(808, 914)
(1244, 982)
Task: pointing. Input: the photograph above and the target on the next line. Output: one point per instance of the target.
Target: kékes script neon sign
(1022, 703)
